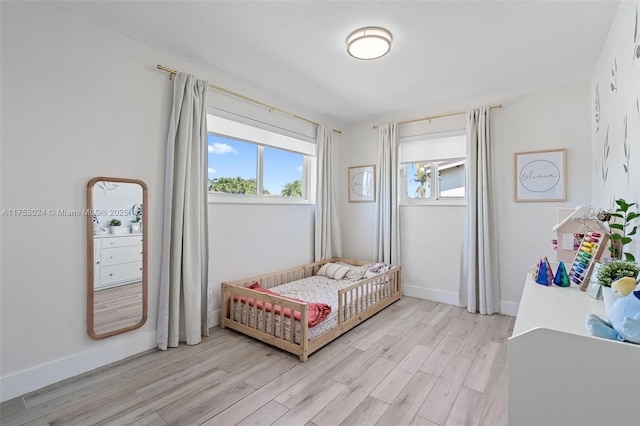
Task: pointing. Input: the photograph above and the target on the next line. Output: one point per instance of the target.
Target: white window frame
(435, 199)
(261, 137)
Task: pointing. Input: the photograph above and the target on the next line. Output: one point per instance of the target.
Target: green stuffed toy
(624, 315)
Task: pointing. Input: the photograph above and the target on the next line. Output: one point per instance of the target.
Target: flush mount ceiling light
(369, 43)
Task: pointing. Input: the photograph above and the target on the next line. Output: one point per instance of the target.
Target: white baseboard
(441, 296)
(215, 319)
(509, 308)
(106, 352)
(451, 298)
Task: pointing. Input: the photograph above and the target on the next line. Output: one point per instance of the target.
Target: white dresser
(118, 260)
(561, 375)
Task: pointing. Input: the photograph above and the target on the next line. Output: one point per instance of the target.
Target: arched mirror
(117, 256)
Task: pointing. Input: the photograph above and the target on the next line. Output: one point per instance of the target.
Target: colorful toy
(544, 274)
(624, 315)
(591, 248)
(562, 278)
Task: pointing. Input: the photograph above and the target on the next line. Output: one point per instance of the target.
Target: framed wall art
(362, 184)
(541, 175)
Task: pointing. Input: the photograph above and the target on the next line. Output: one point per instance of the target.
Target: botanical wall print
(597, 107)
(627, 150)
(107, 186)
(614, 72)
(615, 126)
(605, 157)
(636, 40)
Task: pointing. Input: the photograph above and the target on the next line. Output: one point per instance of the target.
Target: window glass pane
(419, 181)
(451, 176)
(232, 165)
(283, 172)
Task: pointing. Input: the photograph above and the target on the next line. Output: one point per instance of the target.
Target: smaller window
(433, 170)
(435, 180)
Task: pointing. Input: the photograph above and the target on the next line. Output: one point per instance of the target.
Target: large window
(249, 161)
(433, 169)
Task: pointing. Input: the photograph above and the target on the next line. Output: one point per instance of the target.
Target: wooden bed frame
(382, 290)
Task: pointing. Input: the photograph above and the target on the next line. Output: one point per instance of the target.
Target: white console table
(561, 375)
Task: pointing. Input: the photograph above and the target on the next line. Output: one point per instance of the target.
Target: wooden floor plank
(264, 416)
(479, 375)
(200, 406)
(260, 397)
(408, 402)
(419, 421)
(438, 403)
(353, 367)
(340, 408)
(497, 408)
(316, 397)
(367, 413)
(392, 385)
(467, 409)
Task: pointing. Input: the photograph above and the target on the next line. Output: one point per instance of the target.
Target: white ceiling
(443, 51)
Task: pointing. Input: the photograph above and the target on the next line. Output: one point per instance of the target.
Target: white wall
(610, 107)
(549, 118)
(78, 102)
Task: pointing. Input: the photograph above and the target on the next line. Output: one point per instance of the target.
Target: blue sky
(230, 158)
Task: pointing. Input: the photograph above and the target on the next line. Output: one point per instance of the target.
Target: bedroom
(81, 101)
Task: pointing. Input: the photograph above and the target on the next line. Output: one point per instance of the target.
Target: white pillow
(376, 269)
(333, 270)
(355, 272)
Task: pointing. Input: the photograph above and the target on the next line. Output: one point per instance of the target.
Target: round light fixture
(369, 43)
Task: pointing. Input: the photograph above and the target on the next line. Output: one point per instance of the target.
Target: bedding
(318, 312)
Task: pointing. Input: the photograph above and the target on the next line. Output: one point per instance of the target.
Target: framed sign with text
(362, 184)
(541, 175)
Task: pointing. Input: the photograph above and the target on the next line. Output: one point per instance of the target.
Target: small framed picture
(541, 175)
(593, 289)
(362, 184)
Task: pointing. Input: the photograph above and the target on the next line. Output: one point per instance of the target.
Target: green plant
(623, 236)
(421, 179)
(617, 268)
(137, 213)
(115, 222)
(292, 189)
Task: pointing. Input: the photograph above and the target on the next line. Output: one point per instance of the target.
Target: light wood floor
(117, 307)
(415, 363)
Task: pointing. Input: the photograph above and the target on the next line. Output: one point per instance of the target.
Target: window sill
(434, 203)
(217, 198)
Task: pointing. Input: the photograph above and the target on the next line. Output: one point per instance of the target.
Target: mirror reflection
(116, 287)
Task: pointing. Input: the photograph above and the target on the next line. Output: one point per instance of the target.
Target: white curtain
(328, 242)
(183, 302)
(479, 285)
(387, 230)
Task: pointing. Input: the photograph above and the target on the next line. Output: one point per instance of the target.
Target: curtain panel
(328, 242)
(479, 286)
(183, 305)
(387, 230)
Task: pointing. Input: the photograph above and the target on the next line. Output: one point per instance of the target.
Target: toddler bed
(303, 308)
